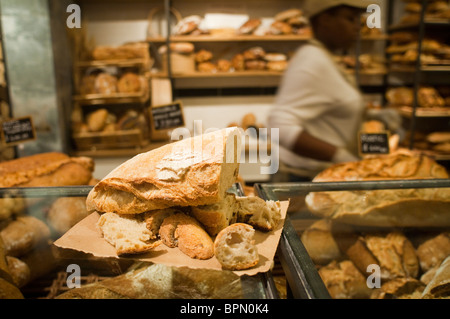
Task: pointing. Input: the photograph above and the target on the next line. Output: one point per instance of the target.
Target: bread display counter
(368, 237)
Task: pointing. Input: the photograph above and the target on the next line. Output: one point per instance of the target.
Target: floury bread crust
(193, 171)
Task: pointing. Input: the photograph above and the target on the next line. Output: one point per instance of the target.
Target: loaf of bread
(105, 83)
(23, 234)
(400, 207)
(157, 281)
(191, 172)
(249, 26)
(203, 56)
(320, 243)
(392, 251)
(234, 247)
(399, 288)
(97, 120)
(439, 286)
(65, 212)
(185, 232)
(216, 217)
(127, 233)
(129, 82)
(46, 169)
(344, 281)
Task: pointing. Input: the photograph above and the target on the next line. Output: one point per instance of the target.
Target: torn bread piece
(261, 214)
(216, 217)
(186, 233)
(235, 248)
(127, 233)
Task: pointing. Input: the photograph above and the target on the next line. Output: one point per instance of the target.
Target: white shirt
(314, 95)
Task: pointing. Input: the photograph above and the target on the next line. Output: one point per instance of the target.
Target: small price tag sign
(16, 131)
(164, 118)
(373, 143)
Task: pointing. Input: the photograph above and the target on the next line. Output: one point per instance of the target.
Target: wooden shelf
(118, 63)
(431, 22)
(222, 74)
(231, 38)
(117, 98)
(120, 152)
(375, 37)
(407, 111)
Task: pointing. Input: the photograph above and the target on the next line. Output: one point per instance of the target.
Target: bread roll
(399, 288)
(223, 65)
(127, 233)
(182, 231)
(105, 84)
(191, 172)
(23, 234)
(238, 62)
(97, 120)
(288, 14)
(215, 217)
(280, 27)
(320, 243)
(87, 85)
(203, 56)
(255, 65)
(249, 26)
(65, 212)
(206, 67)
(187, 25)
(254, 53)
(261, 214)
(234, 247)
(278, 66)
(344, 281)
(46, 169)
(392, 252)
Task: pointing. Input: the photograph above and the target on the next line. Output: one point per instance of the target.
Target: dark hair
(329, 11)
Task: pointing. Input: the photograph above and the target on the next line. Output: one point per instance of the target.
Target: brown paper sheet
(85, 237)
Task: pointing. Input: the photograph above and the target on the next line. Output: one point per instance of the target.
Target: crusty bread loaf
(234, 247)
(183, 231)
(193, 171)
(65, 212)
(439, 286)
(433, 251)
(215, 217)
(344, 281)
(399, 288)
(261, 214)
(320, 243)
(128, 234)
(400, 207)
(46, 169)
(23, 234)
(393, 252)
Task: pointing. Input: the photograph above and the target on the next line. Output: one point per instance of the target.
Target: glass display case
(402, 253)
(41, 270)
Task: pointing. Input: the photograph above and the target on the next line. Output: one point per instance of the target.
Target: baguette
(182, 231)
(191, 172)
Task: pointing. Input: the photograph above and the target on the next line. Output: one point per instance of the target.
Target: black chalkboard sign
(373, 143)
(166, 117)
(19, 130)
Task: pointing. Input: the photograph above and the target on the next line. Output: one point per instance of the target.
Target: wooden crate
(110, 140)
